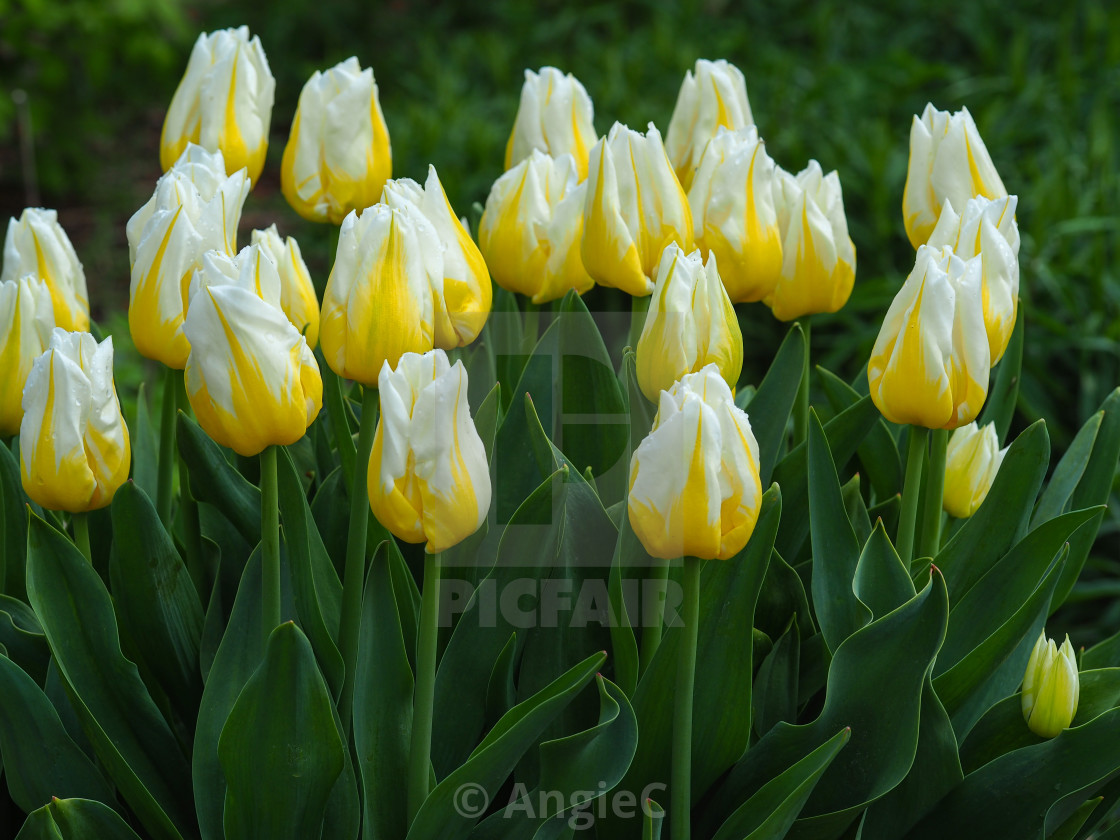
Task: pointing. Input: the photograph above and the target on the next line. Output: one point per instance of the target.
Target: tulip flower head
(463, 296)
(26, 322)
(1051, 687)
(250, 377)
(690, 324)
(987, 228)
(195, 208)
(929, 365)
(818, 256)
(948, 160)
(971, 462)
(712, 96)
(555, 117)
(297, 293)
(36, 244)
(338, 156)
(378, 304)
(428, 477)
(694, 482)
(732, 200)
(223, 103)
(634, 208)
(531, 229)
(74, 447)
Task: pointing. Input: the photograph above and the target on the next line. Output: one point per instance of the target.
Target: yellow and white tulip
(26, 322)
(36, 244)
(428, 478)
(555, 116)
(1051, 687)
(972, 460)
(297, 293)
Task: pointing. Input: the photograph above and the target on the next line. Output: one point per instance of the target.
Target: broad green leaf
(774, 697)
(213, 480)
(770, 407)
(881, 581)
(1104, 654)
(23, 638)
(1065, 823)
(624, 644)
(642, 411)
(1003, 394)
(330, 507)
(886, 512)
(782, 597)
(856, 509)
(487, 418)
(280, 749)
(124, 725)
(13, 525)
(505, 333)
(1054, 500)
(143, 437)
(878, 454)
(501, 690)
(75, 819)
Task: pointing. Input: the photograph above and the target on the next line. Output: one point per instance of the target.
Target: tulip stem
(911, 490)
(652, 622)
(167, 453)
(935, 492)
(270, 544)
(681, 788)
(81, 535)
(531, 327)
(419, 755)
(355, 571)
(336, 410)
(801, 408)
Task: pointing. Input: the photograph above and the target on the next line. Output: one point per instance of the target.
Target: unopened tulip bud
(36, 244)
(555, 117)
(1051, 687)
(26, 322)
(297, 293)
(972, 460)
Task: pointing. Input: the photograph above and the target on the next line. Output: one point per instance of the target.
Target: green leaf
(1069, 826)
(23, 638)
(501, 690)
(143, 437)
(628, 554)
(1054, 500)
(215, 481)
(75, 819)
(487, 418)
(782, 597)
(280, 749)
(505, 333)
(772, 403)
(124, 725)
(1104, 654)
(999, 407)
(856, 509)
(775, 686)
(41, 760)
(13, 525)
(878, 453)
(653, 815)
(642, 411)
(881, 581)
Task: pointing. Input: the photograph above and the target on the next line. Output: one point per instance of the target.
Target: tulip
(74, 449)
(338, 156)
(690, 324)
(818, 256)
(694, 482)
(462, 298)
(26, 321)
(715, 97)
(378, 304)
(732, 200)
(1051, 687)
(987, 228)
(223, 103)
(929, 365)
(250, 377)
(634, 208)
(297, 294)
(37, 244)
(428, 476)
(195, 208)
(948, 160)
(555, 117)
(531, 229)
(972, 460)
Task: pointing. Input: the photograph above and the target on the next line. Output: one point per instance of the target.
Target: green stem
(639, 306)
(81, 535)
(355, 571)
(681, 788)
(935, 491)
(336, 410)
(801, 407)
(270, 544)
(167, 453)
(651, 634)
(911, 489)
(530, 327)
(419, 756)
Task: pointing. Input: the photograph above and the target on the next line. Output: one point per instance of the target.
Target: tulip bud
(463, 296)
(223, 103)
(250, 377)
(948, 160)
(73, 442)
(338, 156)
(297, 293)
(818, 256)
(37, 244)
(732, 200)
(26, 321)
(987, 228)
(428, 476)
(531, 229)
(634, 208)
(971, 463)
(195, 208)
(1051, 687)
(716, 96)
(555, 117)
(929, 365)
(690, 324)
(378, 304)
(694, 483)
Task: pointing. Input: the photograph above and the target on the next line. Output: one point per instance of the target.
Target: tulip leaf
(881, 581)
(1003, 394)
(41, 760)
(129, 734)
(1055, 498)
(280, 749)
(501, 690)
(23, 639)
(156, 601)
(487, 418)
(504, 330)
(75, 819)
(642, 411)
(441, 816)
(774, 696)
(1068, 815)
(782, 597)
(213, 480)
(1105, 654)
(143, 437)
(13, 525)
(629, 558)
(772, 403)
